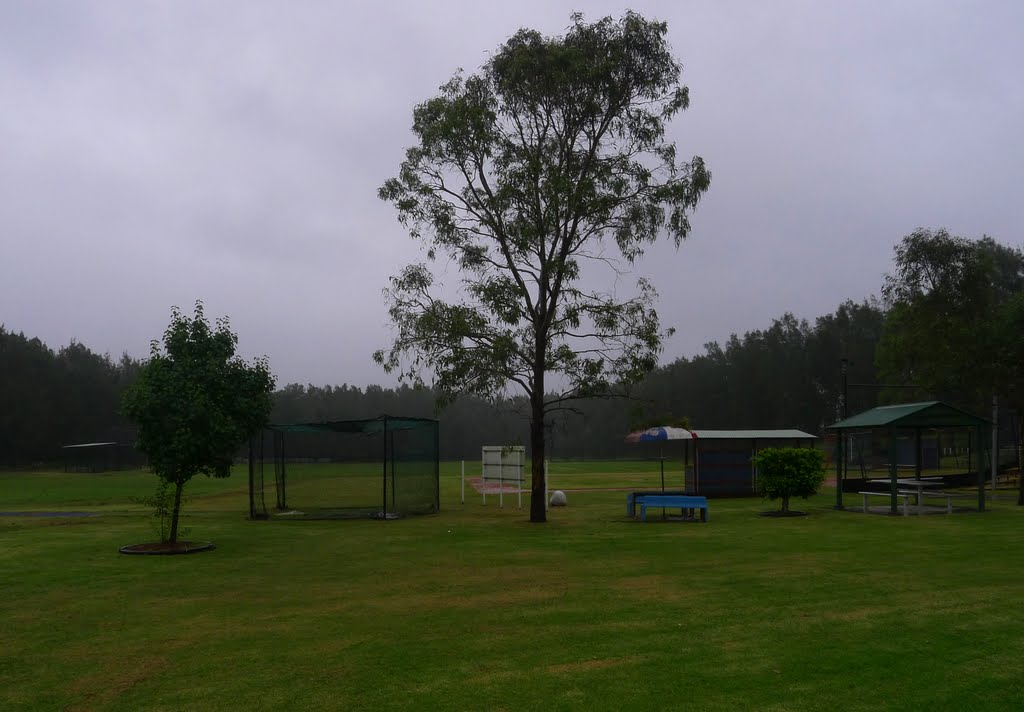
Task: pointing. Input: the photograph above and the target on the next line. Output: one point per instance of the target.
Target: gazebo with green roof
(916, 417)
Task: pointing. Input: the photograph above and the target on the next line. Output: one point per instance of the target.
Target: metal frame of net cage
(385, 467)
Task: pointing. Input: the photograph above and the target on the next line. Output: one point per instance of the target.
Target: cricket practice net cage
(385, 467)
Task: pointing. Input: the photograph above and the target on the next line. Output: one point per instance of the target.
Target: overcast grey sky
(153, 153)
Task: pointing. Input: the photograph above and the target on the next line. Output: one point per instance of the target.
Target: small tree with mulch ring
(786, 472)
(195, 403)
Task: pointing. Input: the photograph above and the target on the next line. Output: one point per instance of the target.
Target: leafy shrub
(789, 472)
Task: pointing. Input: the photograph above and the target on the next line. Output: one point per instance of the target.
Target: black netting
(258, 448)
(414, 470)
(386, 467)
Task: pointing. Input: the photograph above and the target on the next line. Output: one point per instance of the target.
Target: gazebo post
(981, 473)
(840, 459)
(917, 453)
(893, 457)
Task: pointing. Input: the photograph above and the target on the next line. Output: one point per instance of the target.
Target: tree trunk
(785, 504)
(538, 511)
(178, 486)
(538, 503)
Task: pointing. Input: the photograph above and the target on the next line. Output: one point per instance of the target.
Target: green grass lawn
(475, 608)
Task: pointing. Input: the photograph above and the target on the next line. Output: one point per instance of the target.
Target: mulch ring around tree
(160, 548)
(780, 513)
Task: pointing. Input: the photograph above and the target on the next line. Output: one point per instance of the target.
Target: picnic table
(917, 488)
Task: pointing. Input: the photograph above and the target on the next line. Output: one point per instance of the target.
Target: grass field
(475, 608)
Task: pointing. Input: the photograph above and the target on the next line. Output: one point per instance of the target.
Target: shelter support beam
(979, 434)
(840, 459)
(893, 471)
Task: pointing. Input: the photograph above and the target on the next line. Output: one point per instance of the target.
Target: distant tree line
(948, 327)
(53, 398)
(784, 376)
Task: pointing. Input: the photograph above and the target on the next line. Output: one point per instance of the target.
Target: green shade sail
(368, 426)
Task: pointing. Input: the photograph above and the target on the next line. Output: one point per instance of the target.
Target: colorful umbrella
(659, 434)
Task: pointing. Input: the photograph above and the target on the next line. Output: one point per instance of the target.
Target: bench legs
(918, 505)
(905, 506)
(682, 512)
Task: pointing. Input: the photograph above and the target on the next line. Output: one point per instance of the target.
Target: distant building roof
(66, 447)
(752, 435)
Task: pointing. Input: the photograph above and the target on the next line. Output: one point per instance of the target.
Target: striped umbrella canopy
(660, 433)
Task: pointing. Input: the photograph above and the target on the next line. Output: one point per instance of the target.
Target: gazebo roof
(928, 414)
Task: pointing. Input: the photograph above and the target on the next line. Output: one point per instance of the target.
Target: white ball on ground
(558, 498)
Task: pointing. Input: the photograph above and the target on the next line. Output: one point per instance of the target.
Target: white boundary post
(463, 481)
(519, 477)
(483, 480)
(501, 485)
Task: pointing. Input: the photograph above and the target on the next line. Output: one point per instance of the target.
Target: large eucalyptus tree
(531, 176)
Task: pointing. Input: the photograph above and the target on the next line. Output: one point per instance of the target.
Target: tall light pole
(844, 367)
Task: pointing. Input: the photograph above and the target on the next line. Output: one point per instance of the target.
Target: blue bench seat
(665, 501)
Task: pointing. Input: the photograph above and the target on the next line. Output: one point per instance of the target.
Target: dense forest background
(784, 376)
(788, 375)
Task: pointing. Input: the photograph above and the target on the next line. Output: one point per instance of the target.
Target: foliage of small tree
(789, 472)
(196, 402)
(549, 163)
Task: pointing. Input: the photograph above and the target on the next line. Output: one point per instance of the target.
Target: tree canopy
(196, 402)
(956, 308)
(531, 175)
(942, 327)
(741, 382)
